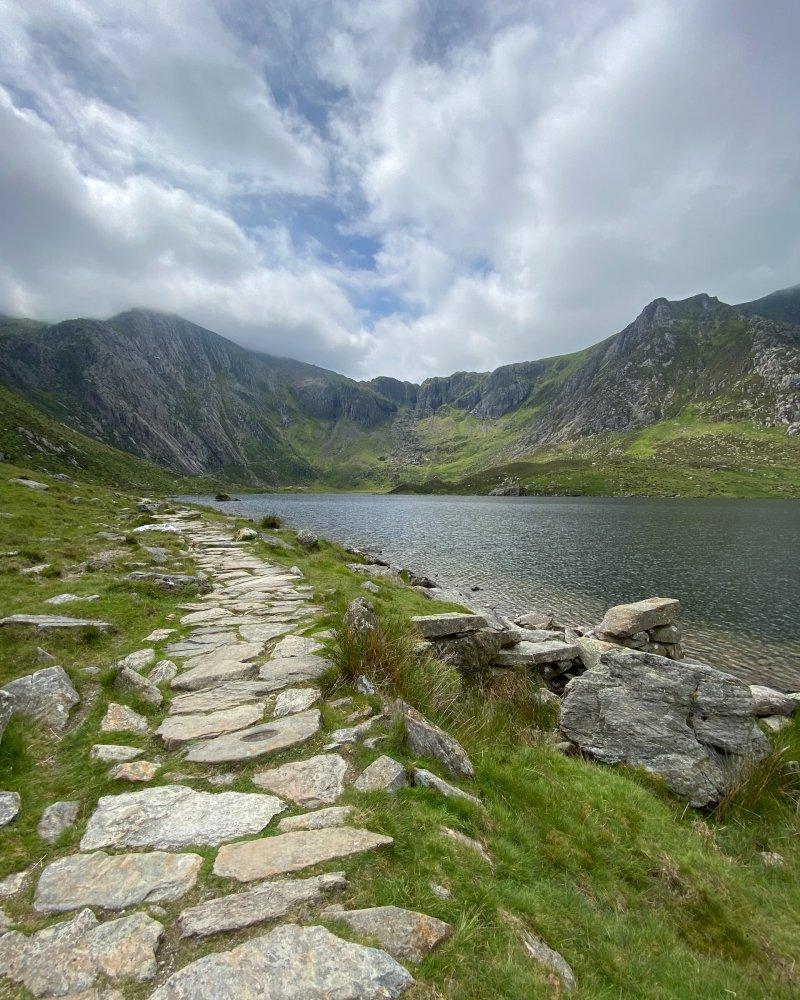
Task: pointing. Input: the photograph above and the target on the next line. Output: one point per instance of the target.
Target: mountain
(690, 383)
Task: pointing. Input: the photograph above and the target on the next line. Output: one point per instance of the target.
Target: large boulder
(629, 619)
(690, 724)
(46, 695)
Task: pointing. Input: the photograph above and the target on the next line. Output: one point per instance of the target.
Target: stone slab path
(240, 688)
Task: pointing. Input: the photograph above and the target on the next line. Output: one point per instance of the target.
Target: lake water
(734, 564)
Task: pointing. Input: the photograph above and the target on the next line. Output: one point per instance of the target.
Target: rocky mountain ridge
(190, 400)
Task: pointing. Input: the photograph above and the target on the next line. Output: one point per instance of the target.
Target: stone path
(241, 676)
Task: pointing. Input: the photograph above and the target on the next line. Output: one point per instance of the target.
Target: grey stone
(71, 598)
(115, 882)
(134, 770)
(296, 645)
(379, 572)
(425, 779)
(50, 623)
(226, 695)
(405, 934)
(590, 650)
(229, 663)
(129, 682)
(311, 783)
(14, 883)
(57, 818)
(139, 660)
(284, 671)
(307, 539)
(295, 700)
(121, 719)
(319, 820)
(669, 634)
(31, 484)
(768, 701)
(46, 695)
(6, 709)
(9, 807)
(382, 775)
(171, 582)
(262, 633)
(692, 725)
(164, 672)
(176, 816)
(350, 734)
(369, 586)
(468, 842)
(440, 891)
(290, 963)
(559, 972)
(535, 619)
(68, 958)
(628, 619)
(268, 901)
(531, 654)
(428, 740)
(257, 741)
(450, 623)
(360, 616)
(113, 753)
(288, 852)
(178, 729)
(43, 658)
(775, 723)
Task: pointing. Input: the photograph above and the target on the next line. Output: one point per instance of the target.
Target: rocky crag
(185, 398)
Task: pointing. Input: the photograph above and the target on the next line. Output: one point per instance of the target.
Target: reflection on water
(734, 564)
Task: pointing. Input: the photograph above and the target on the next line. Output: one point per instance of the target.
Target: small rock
(535, 619)
(139, 660)
(360, 617)
(6, 709)
(57, 623)
(425, 779)
(9, 806)
(46, 696)
(110, 753)
(129, 682)
(371, 587)
(120, 719)
(71, 598)
(450, 623)
(135, 770)
(427, 740)
(268, 901)
(768, 701)
(365, 686)
(295, 700)
(164, 672)
(159, 634)
(468, 842)
(307, 539)
(44, 658)
(57, 818)
(440, 891)
(771, 859)
(775, 723)
(559, 972)
(14, 883)
(406, 934)
(246, 535)
(31, 484)
(382, 775)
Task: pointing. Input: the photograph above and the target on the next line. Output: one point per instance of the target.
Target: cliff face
(186, 398)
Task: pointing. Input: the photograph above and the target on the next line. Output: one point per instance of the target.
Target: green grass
(643, 896)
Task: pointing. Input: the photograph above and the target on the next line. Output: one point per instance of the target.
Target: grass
(643, 896)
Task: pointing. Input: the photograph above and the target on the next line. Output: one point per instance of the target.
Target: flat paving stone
(287, 670)
(115, 882)
(290, 963)
(319, 820)
(317, 781)
(134, 770)
(176, 816)
(228, 663)
(289, 852)
(257, 741)
(296, 645)
(67, 958)
(221, 696)
(178, 729)
(406, 934)
(268, 901)
(295, 700)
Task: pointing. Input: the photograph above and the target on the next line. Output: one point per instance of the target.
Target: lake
(734, 564)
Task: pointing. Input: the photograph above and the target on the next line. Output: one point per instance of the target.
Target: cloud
(393, 186)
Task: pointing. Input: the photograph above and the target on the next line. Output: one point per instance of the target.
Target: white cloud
(530, 174)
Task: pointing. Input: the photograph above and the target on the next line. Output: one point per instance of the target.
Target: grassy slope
(644, 897)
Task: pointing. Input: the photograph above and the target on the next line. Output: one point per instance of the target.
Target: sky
(397, 187)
